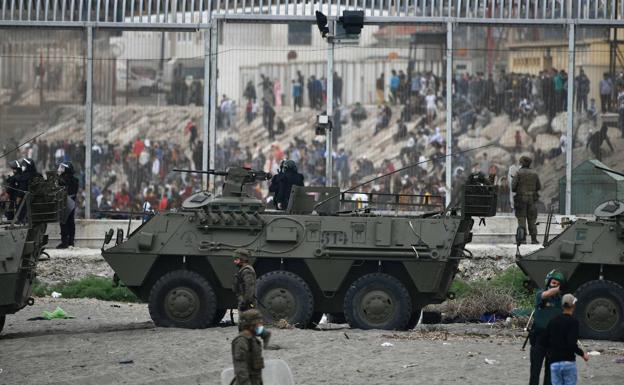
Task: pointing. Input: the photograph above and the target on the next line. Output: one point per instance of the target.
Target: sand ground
(90, 348)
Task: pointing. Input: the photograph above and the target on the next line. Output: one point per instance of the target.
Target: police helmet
(242, 254)
(290, 165)
(66, 167)
(15, 164)
(28, 164)
(249, 318)
(525, 161)
(554, 274)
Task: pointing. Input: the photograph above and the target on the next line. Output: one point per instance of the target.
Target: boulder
(546, 142)
(539, 126)
(499, 156)
(466, 142)
(560, 123)
(495, 129)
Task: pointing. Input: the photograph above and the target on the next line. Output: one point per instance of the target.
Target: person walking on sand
(560, 340)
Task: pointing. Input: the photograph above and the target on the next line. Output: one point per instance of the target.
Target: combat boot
(534, 240)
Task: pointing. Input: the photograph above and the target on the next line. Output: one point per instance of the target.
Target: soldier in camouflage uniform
(526, 184)
(245, 288)
(247, 349)
(244, 281)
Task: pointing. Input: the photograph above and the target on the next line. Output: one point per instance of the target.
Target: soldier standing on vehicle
(245, 288)
(11, 188)
(282, 183)
(526, 184)
(68, 225)
(547, 307)
(247, 349)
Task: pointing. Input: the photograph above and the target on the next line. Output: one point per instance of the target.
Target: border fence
(206, 18)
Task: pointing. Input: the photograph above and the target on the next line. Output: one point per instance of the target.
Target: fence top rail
(199, 13)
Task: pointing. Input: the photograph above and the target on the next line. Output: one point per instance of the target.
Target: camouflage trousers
(526, 213)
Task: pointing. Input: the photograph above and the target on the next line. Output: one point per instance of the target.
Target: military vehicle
(375, 268)
(22, 243)
(590, 253)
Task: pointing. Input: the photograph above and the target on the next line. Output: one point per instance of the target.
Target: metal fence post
(570, 123)
(206, 108)
(88, 122)
(212, 102)
(449, 111)
(330, 106)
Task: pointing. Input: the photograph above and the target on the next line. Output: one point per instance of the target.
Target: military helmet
(15, 164)
(249, 318)
(554, 274)
(242, 254)
(525, 161)
(290, 165)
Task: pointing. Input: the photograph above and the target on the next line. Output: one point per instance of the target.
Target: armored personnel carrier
(590, 253)
(22, 243)
(375, 268)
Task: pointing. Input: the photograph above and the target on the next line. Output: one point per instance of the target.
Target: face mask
(259, 329)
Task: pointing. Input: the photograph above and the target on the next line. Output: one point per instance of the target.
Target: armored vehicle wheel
(378, 301)
(600, 310)
(219, 314)
(183, 299)
(2, 317)
(285, 295)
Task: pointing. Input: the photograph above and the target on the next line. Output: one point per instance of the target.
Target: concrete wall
(497, 230)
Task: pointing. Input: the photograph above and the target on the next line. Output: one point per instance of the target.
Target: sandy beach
(116, 343)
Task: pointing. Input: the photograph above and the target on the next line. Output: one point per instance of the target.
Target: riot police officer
(67, 223)
(547, 307)
(11, 188)
(282, 183)
(29, 172)
(526, 185)
(247, 349)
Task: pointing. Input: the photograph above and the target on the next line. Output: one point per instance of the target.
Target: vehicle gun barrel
(209, 172)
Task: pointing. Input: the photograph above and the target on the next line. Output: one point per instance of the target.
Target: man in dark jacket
(560, 340)
(282, 183)
(547, 307)
(11, 188)
(29, 171)
(68, 225)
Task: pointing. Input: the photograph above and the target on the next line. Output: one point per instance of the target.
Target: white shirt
(431, 101)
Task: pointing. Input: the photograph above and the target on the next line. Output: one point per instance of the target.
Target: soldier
(68, 225)
(526, 184)
(247, 349)
(245, 288)
(244, 281)
(547, 307)
(282, 183)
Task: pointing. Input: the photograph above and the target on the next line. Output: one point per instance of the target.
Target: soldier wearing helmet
(244, 280)
(547, 307)
(526, 185)
(282, 182)
(245, 287)
(68, 225)
(247, 349)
